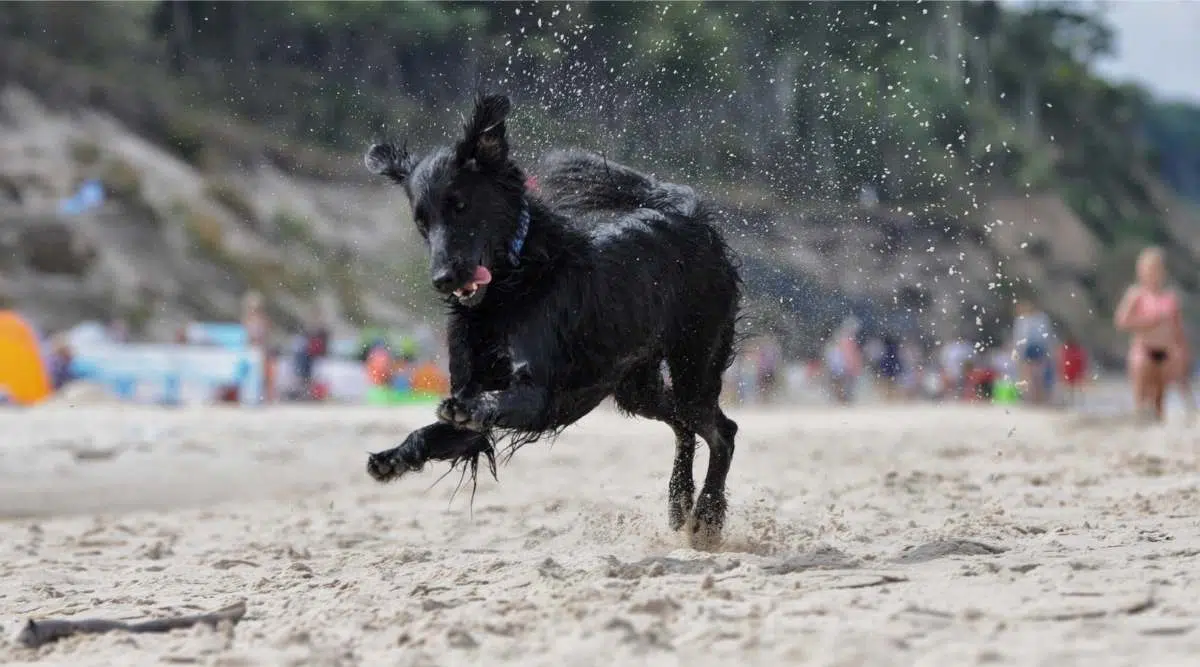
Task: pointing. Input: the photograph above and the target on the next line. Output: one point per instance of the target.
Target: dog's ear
(389, 160)
(483, 139)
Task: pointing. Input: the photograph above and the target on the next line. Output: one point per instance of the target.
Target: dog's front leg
(523, 408)
(475, 365)
(436, 442)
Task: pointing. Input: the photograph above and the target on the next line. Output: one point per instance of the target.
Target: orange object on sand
(429, 378)
(23, 373)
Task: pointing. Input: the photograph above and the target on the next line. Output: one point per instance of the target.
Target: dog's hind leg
(697, 389)
(711, 507)
(643, 393)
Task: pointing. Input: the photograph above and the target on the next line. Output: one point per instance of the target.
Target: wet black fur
(618, 273)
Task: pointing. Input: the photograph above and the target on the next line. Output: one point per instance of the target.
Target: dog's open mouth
(472, 293)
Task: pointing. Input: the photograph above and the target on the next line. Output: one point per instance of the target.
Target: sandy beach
(874, 536)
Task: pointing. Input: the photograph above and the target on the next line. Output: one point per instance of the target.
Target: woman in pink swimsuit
(1158, 348)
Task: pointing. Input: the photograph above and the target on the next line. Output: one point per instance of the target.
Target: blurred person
(255, 319)
(62, 359)
(1050, 375)
(258, 334)
(379, 366)
(912, 371)
(271, 359)
(1032, 336)
(1072, 369)
(770, 359)
(314, 346)
(979, 381)
(173, 386)
(872, 352)
(953, 357)
(1158, 352)
(889, 367)
(843, 360)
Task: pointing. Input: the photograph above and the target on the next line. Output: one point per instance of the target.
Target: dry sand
(883, 536)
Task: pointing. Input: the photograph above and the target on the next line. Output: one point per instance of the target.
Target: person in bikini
(1158, 350)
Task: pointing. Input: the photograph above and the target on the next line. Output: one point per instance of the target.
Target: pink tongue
(482, 276)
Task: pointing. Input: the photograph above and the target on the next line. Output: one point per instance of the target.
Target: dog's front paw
(469, 414)
(392, 464)
(455, 412)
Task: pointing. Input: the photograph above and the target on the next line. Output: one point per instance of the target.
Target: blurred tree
(812, 100)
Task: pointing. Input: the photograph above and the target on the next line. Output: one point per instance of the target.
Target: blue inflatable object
(230, 335)
(401, 382)
(125, 387)
(173, 389)
(90, 195)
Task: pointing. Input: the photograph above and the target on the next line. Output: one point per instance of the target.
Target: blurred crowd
(290, 358)
(1035, 365)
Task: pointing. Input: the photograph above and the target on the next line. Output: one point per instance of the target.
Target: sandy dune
(906, 536)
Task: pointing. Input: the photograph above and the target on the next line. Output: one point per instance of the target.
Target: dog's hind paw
(703, 536)
(679, 510)
(708, 522)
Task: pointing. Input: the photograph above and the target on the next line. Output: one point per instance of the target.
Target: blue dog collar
(518, 242)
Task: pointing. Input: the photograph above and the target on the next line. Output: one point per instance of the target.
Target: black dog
(560, 300)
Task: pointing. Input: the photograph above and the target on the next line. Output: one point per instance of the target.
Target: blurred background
(184, 216)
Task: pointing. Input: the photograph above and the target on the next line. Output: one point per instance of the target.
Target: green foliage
(342, 276)
(205, 234)
(935, 104)
(185, 136)
(207, 241)
(835, 94)
(10, 187)
(292, 228)
(138, 316)
(122, 180)
(233, 199)
(1174, 133)
(85, 153)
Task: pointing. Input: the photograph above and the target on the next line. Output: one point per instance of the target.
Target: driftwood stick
(39, 633)
(1130, 609)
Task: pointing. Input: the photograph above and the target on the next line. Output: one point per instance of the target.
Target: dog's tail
(584, 182)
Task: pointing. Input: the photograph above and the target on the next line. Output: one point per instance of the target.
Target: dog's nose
(443, 281)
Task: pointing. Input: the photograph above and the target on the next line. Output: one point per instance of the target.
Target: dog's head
(468, 201)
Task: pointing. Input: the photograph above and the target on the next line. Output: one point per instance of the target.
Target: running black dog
(561, 299)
